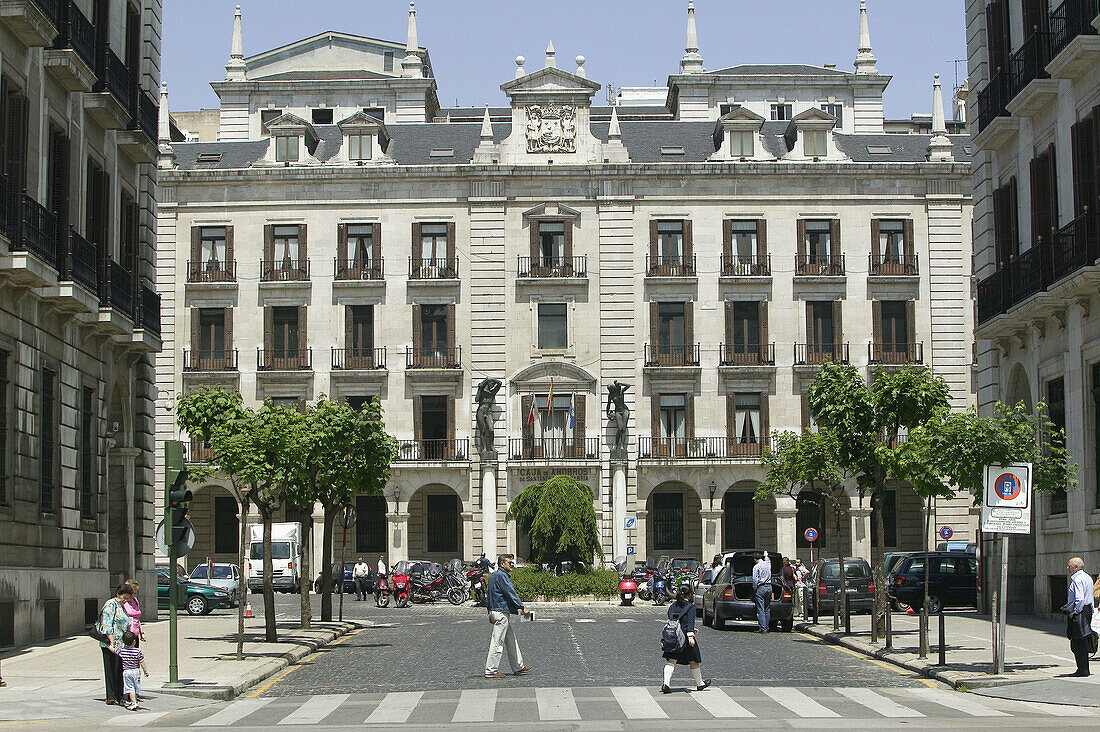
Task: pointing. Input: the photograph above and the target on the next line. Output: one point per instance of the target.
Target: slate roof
(778, 70)
(903, 148)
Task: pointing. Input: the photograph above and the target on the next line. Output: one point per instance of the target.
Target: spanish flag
(550, 396)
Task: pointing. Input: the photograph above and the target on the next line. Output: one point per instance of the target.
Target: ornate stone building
(345, 235)
(79, 316)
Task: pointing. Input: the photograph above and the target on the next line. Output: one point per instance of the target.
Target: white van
(286, 557)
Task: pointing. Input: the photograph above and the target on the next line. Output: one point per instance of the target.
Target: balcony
(669, 355)
(561, 449)
(717, 449)
(433, 450)
(1027, 275)
(433, 358)
(752, 266)
(819, 265)
(284, 270)
(1028, 63)
(75, 290)
(34, 22)
(1069, 21)
(538, 268)
(673, 265)
(146, 114)
(358, 359)
(199, 453)
(148, 310)
(71, 58)
(1075, 245)
(110, 102)
(746, 354)
(993, 100)
(895, 354)
(200, 361)
(32, 229)
(80, 262)
(358, 269)
(212, 272)
(898, 265)
(284, 359)
(433, 269)
(815, 354)
(117, 290)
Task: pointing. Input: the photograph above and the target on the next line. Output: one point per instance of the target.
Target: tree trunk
(881, 599)
(304, 585)
(837, 519)
(326, 563)
(242, 587)
(270, 634)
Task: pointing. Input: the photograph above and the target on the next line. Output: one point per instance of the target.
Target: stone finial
(613, 131)
(164, 127)
(411, 43)
(939, 147)
(236, 68)
(580, 66)
(486, 127)
(866, 63)
(551, 62)
(412, 64)
(520, 60)
(692, 62)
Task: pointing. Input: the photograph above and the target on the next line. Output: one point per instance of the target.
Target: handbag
(96, 634)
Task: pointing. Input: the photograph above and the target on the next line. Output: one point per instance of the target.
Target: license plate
(852, 589)
(628, 596)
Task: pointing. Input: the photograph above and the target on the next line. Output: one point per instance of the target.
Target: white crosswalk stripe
(879, 703)
(135, 720)
(964, 703)
(798, 702)
(638, 703)
(476, 705)
(315, 709)
(395, 707)
(235, 712)
(718, 703)
(1058, 710)
(556, 705)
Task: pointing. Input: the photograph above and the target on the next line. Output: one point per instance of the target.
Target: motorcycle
(436, 585)
(381, 592)
(628, 588)
(660, 590)
(401, 588)
(476, 578)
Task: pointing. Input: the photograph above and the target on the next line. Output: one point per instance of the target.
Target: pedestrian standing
(716, 562)
(483, 563)
(133, 609)
(682, 611)
(504, 605)
(113, 622)
(133, 665)
(1095, 615)
(762, 591)
(381, 566)
(360, 572)
(788, 576)
(800, 574)
(1078, 610)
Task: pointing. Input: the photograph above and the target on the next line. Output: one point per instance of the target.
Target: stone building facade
(79, 316)
(1035, 116)
(345, 235)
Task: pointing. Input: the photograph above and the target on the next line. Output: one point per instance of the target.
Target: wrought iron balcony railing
(364, 359)
(33, 227)
(746, 354)
(433, 269)
(539, 267)
(993, 99)
(114, 77)
(751, 266)
(895, 353)
(817, 353)
(554, 448)
(81, 262)
(76, 32)
(819, 265)
(284, 359)
(1071, 19)
(672, 355)
(433, 450)
(223, 360)
(670, 265)
(284, 270)
(358, 269)
(897, 265)
(149, 313)
(433, 358)
(212, 270)
(145, 116)
(702, 448)
(117, 290)
(1029, 62)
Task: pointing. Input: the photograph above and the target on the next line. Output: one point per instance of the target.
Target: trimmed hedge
(533, 583)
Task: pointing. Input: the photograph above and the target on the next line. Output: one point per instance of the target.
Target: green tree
(559, 517)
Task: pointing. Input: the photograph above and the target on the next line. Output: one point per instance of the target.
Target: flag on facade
(533, 414)
(572, 414)
(550, 396)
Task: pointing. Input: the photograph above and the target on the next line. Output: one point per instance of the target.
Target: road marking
(716, 702)
(556, 705)
(883, 664)
(878, 703)
(797, 702)
(638, 703)
(1058, 710)
(315, 709)
(626, 620)
(395, 707)
(235, 712)
(476, 705)
(135, 720)
(260, 690)
(584, 620)
(960, 702)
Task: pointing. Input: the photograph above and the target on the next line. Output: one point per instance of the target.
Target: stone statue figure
(486, 400)
(619, 414)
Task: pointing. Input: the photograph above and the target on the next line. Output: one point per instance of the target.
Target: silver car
(704, 584)
(225, 576)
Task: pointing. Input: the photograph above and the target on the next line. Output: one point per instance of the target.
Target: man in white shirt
(800, 574)
(1079, 609)
(381, 566)
(762, 588)
(360, 573)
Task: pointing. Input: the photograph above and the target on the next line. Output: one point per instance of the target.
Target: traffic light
(176, 495)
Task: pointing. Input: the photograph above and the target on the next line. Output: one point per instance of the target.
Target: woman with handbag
(682, 611)
(113, 622)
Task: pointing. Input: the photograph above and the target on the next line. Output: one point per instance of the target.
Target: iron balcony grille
(1027, 273)
(1075, 245)
(81, 261)
(904, 265)
(672, 355)
(433, 269)
(746, 354)
(145, 116)
(1071, 19)
(993, 295)
(540, 267)
(434, 450)
(76, 32)
(284, 359)
(751, 266)
(819, 265)
(895, 353)
(212, 270)
(993, 100)
(118, 289)
(221, 360)
(674, 265)
(702, 448)
(554, 448)
(149, 317)
(1029, 62)
(358, 269)
(433, 358)
(114, 77)
(358, 358)
(52, 10)
(199, 452)
(35, 228)
(816, 353)
(284, 270)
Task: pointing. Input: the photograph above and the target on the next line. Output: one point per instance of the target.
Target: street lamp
(713, 487)
(396, 499)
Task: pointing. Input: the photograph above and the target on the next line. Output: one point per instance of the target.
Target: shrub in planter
(533, 583)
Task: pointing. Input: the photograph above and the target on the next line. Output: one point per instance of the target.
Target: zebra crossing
(555, 705)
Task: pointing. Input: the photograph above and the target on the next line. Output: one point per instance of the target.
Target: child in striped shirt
(133, 665)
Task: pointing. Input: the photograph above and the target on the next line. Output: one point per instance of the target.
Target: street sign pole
(1006, 509)
(999, 628)
(173, 464)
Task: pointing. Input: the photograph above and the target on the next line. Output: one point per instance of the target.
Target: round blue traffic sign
(1007, 486)
(810, 534)
(946, 533)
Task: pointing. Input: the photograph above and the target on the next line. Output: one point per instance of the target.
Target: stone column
(398, 536)
(712, 534)
(618, 509)
(786, 511)
(860, 527)
(488, 510)
(640, 534)
(467, 536)
(129, 456)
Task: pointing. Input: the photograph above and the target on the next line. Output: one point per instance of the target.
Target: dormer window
(359, 146)
(742, 143)
(365, 139)
(809, 135)
(814, 143)
(735, 134)
(293, 140)
(286, 148)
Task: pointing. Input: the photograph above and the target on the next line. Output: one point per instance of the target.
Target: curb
(258, 675)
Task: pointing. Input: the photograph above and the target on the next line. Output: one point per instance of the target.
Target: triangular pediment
(550, 210)
(813, 114)
(550, 79)
(741, 114)
(286, 120)
(361, 120)
(328, 56)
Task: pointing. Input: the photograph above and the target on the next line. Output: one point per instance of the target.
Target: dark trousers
(764, 606)
(1080, 650)
(361, 588)
(112, 675)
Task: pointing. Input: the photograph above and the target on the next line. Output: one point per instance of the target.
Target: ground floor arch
(747, 523)
(215, 514)
(435, 524)
(674, 524)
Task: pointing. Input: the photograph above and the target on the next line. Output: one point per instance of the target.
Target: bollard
(943, 641)
(817, 605)
(923, 623)
(847, 614)
(874, 625)
(889, 636)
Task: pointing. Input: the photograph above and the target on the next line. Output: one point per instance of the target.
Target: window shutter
(349, 329)
(689, 329)
(59, 181)
(341, 247)
(451, 263)
(17, 121)
(1038, 204)
(303, 252)
(302, 340)
(1012, 210)
(810, 340)
(762, 243)
(418, 419)
(907, 236)
(689, 416)
(1051, 190)
(834, 238)
(911, 324)
(534, 243)
(196, 245)
(800, 240)
(269, 242)
(376, 250)
(727, 240)
(578, 418)
(567, 246)
(1077, 139)
(805, 412)
(228, 247)
(269, 331)
(653, 241)
(838, 326)
(655, 415)
(450, 419)
(730, 325)
(654, 331)
(876, 248)
(417, 247)
(765, 426)
(417, 330)
(128, 237)
(1094, 156)
(451, 327)
(528, 432)
(228, 321)
(689, 246)
(196, 329)
(763, 326)
(876, 321)
(731, 417)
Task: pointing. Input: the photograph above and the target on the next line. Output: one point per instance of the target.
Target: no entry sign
(946, 533)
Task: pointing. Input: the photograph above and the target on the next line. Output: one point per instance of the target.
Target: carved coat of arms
(551, 128)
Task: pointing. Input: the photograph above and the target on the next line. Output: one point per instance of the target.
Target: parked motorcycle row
(658, 584)
(424, 582)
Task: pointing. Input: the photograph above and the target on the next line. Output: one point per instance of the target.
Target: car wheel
(197, 605)
(718, 623)
(935, 605)
(402, 602)
(786, 625)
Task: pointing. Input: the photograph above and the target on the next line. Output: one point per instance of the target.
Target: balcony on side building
(34, 22)
(117, 289)
(149, 310)
(672, 355)
(358, 269)
(1029, 62)
(712, 449)
(819, 265)
(71, 57)
(895, 354)
(435, 358)
(673, 265)
(33, 241)
(199, 453)
(358, 359)
(284, 359)
(993, 100)
(200, 361)
(284, 270)
(139, 140)
(748, 266)
(1068, 22)
(440, 268)
(553, 449)
(539, 268)
(898, 265)
(212, 271)
(110, 101)
(746, 354)
(146, 114)
(816, 354)
(434, 450)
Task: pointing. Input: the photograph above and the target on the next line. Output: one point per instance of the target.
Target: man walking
(800, 574)
(504, 604)
(360, 573)
(1078, 612)
(482, 563)
(381, 566)
(762, 589)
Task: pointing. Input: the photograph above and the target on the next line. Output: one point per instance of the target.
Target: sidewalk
(1037, 655)
(64, 677)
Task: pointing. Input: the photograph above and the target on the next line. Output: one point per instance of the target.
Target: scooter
(660, 589)
(476, 578)
(400, 589)
(628, 588)
(381, 592)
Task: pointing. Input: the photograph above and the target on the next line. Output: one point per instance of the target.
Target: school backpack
(672, 635)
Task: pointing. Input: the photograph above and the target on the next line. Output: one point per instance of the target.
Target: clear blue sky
(473, 43)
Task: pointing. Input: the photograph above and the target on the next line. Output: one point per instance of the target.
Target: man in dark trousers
(504, 605)
(1078, 610)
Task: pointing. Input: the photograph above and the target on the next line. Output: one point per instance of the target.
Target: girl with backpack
(678, 644)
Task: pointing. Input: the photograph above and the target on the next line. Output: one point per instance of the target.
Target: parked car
(225, 576)
(195, 598)
(704, 583)
(952, 581)
(957, 546)
(349, 579)
(890, 563)
(732, 597)
(824, 581)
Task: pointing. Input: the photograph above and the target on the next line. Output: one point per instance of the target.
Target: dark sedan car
(349, 580)
(732, 597)
(195, 598)
(953, 581)
(824, 579)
